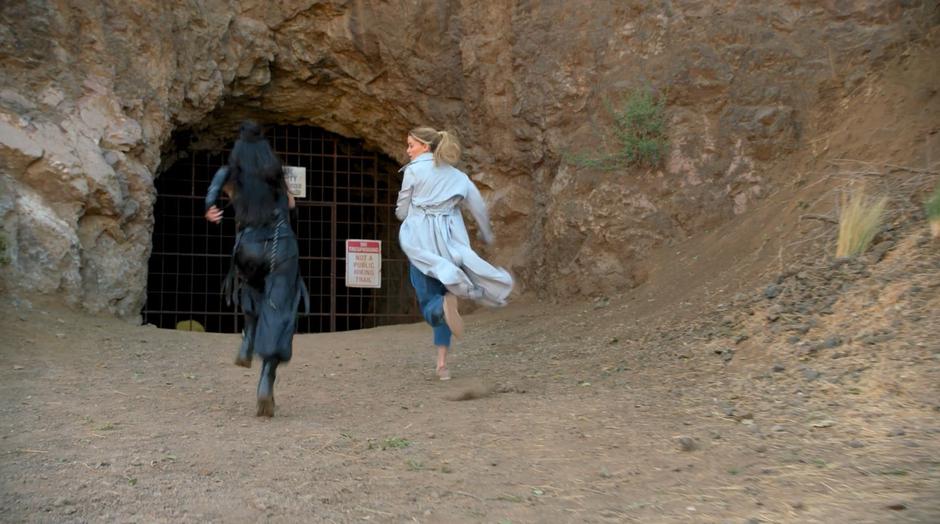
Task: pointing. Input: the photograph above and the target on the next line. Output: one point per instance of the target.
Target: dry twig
(824, 218)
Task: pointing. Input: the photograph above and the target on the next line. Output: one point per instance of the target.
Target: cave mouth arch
(350, 194)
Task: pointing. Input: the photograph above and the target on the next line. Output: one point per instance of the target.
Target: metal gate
(351, 194)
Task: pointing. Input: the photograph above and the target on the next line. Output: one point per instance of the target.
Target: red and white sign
(364, 263)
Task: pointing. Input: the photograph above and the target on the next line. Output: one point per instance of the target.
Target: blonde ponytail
(447, 150)
(443, 144)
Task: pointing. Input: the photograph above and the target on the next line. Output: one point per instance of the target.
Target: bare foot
(452, 315)
(443, 373)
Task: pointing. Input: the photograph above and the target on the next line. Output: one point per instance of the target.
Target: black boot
(266, 388)
(246, 352)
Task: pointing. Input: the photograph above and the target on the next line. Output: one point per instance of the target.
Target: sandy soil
(675, 402)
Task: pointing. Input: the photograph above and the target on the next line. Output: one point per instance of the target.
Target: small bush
(932, 209)
(639, 128)
(395, 443)
(859, 220)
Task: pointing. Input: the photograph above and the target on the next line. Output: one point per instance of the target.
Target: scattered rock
(897, 506)
(726, 408)
(877, 338)
(726, 354)
(878, 252)
(800, 328)
(896, 433)
(778, 368)
(771, 291)
(856, 444)
(827, 423)
(810, 374)
(773, 314)
(686, 443)
(804, 350)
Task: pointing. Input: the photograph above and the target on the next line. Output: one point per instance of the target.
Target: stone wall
(93, 90)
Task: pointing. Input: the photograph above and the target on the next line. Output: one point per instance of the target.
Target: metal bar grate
(351, 193)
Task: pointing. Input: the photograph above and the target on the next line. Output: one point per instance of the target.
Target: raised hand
(214, 215)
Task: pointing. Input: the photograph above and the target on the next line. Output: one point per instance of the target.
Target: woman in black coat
(267, 282)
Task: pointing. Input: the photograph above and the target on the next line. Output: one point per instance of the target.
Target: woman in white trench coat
(434, 237)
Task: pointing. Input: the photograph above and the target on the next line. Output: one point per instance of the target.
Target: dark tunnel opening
(350, 194)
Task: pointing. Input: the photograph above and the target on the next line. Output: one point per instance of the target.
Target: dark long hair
(258, 176)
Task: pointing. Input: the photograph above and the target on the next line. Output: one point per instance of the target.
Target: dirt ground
(713, 393)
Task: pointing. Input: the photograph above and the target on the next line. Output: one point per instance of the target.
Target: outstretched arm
(477, 206)
(213, 213)
(404, 196)
(290, 196)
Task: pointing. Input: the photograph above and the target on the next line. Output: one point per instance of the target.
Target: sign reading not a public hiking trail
(364, 263)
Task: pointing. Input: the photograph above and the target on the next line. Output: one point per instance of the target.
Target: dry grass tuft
(859, 219)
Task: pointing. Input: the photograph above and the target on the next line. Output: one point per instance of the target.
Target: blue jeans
(431, 293)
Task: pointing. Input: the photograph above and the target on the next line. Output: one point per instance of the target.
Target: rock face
(93, 90)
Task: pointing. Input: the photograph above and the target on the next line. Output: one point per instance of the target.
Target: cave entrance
(350, 194)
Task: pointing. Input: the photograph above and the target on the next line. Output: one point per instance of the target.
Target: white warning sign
(296, 180)
(364, 263)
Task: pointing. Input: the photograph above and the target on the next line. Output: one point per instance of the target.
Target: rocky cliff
(92, 91)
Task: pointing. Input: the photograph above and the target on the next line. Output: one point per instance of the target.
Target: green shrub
(639, 129)
(395, 443)
(932, 207)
